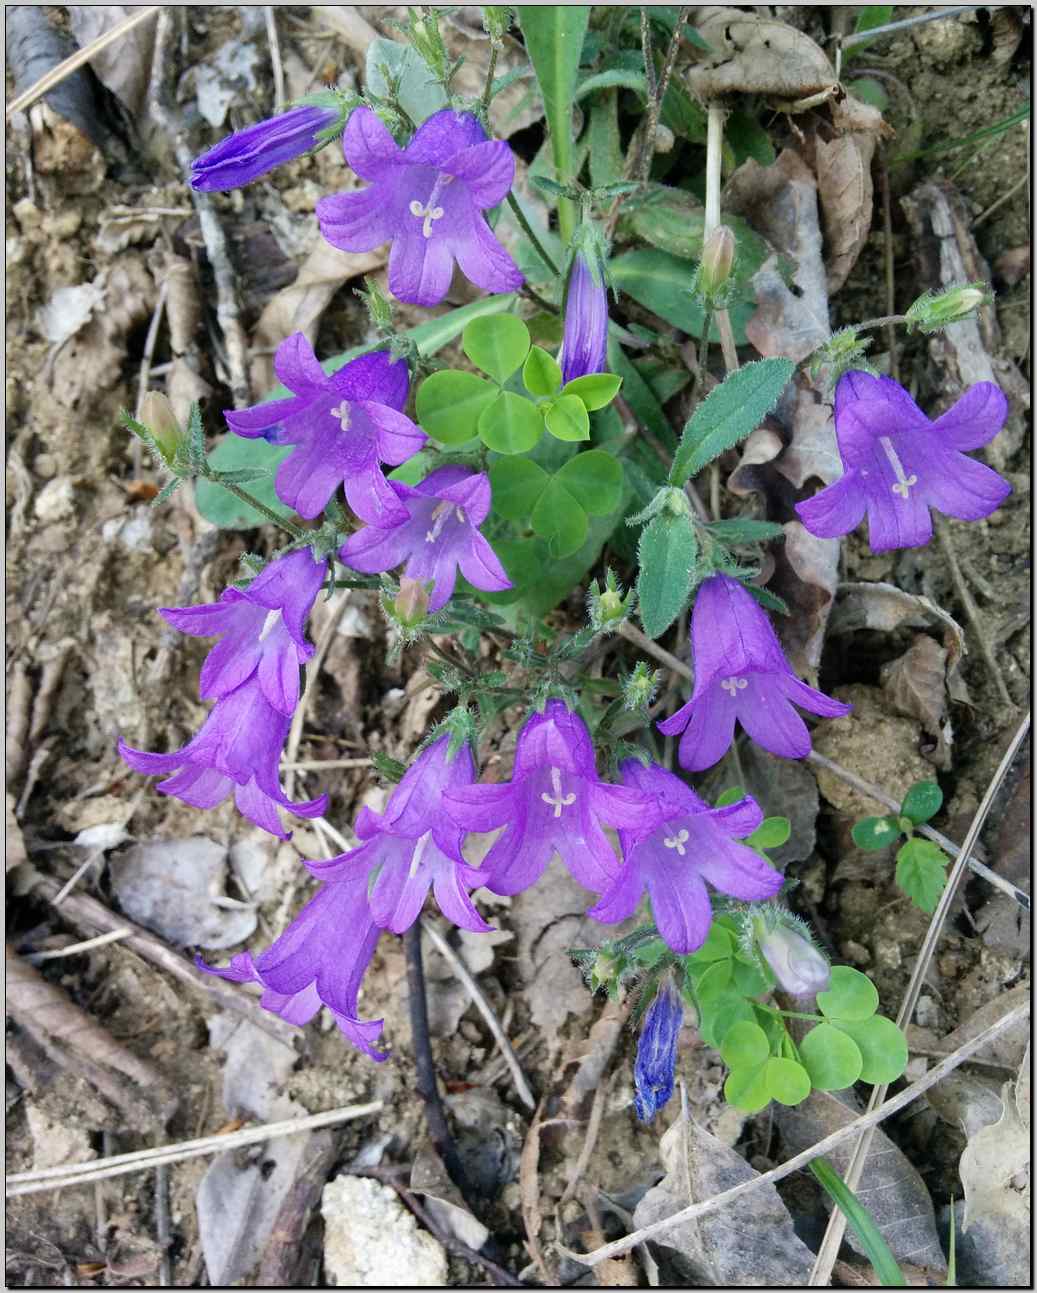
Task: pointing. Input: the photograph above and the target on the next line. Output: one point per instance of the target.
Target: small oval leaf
(831, 1058)
(497, 344)
(510, 424)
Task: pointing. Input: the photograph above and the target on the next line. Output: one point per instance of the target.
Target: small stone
(56, 1140)
(63, 224)
(45, 465)
(27, 213)
(371, 1241)
(56, 501)
(855, 952)
(927, 1012)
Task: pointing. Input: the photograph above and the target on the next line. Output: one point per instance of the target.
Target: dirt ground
(88, 561)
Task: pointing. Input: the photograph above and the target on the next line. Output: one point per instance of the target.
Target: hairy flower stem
(245, 497)
(425, 1065)
(524, 224)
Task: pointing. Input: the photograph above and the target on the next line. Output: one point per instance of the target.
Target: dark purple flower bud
(741, 674)
(585, 339)
(428, 199)
(439, 538)
(656, 1062)
(344, 427)
(897, 464)
(244, 156)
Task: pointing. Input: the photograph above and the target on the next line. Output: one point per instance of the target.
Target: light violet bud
(798, 966)
(411, 605)
(718, 257)
(934, 311)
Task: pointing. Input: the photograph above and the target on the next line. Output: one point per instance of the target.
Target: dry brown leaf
(813, 452)
(529, 1193)
(915, 685)
(124, 66)
(754, 472)
(849, 113)
(14, 842)
(845, 189)
(752, 55)
(298, 307)
(806, 573)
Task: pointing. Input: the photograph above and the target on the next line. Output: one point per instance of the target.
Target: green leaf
(235, 453)
(922, 801)
(873, 833)
(747, 1089)
(606, 149)
(850, 996)
(595, 479)
(415, 469)
(641, 398)
(747, 978)
(510, 424)
(554, 35)
(540, 373)
(498, 345)
(662, 283)
(832, 1059)
(745, 530)
(714, 981)
(859, 1218)
(730, 796)
(595, 390)
(559, 520)
(614, 78)
(449, 404)
(882, 1045)
(420, 94)
(771, 833)
(517, 484)
(787, 1082)
(666, 555)
(567, 419)
(719, 946)
(868, 18)
(728, 414)
(747, 139)
(920, 872)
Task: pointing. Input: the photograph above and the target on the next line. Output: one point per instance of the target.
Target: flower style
(244, 156)
(439, 537)
(237, 748)
(414, 846)
(656, 1061)
(553, 803)
(741, 673)
(678, 847)
(344, 425)
(897, 464)
(585, 339)
(319, 960)
(428, 198)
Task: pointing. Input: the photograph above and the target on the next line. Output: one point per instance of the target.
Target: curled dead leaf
(915, 686)
(806, 574)
(846, 191)
(754, 55)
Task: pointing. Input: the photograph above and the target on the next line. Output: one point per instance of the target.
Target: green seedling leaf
(851, 996)
(787, 1081)
(497, 344)
(873, 833)
(771, 833)
(857, 1215)
(540, 373)
(567, 419)
(920, 872)
(614, 78)
(517, 484)
(667, 556)
(882, 1045)
(738, 530)
(747, 1089)
(450, 403)
(510, 424)
(730, 796)
(559, 519)
(728, 414)
(596, 390)
(233, 453)
(831, 1058)
(922, 802)
(595, 480)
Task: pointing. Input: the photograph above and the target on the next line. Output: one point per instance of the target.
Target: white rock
(371, 1241)
(56, 501)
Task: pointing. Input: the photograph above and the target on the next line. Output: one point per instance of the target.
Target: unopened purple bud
(797, 964)
(585, 340)
(656, 1061)
(244, 156)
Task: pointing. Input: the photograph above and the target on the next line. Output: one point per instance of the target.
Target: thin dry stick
(714, 158)
(145, 365)
(887, 256)
(825, 1146)
(34, 958)
(275, 57)
(485, 1009)
(59, 1178)
(633, 634)
(57, 74)
(1005, 197)
(320, 765)
(829, 1250)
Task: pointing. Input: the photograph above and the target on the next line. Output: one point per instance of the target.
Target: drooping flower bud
(247, 154)
(934, 310)
(800, 968)
(656, 1061)
(585, 339)
(718, 258)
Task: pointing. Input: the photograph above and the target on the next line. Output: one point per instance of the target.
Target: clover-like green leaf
(745, 1046)
(747, 1088)
(559, 519)
(595, 480)
(449, 404)
(595, 390)
(771, 833)
(882, 1045)
(511, 424)
(517, 484)
(540, 373)
(850, 996)
(787, 1081)
(567, 419)
(498, 344)
(831, 1058)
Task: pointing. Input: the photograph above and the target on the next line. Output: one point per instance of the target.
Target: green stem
(880, 323)
(789, 1014)
(245, 497)
(528, 292)
(487, 94)
(524, 223)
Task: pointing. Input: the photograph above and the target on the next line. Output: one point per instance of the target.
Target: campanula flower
(319, 960)
(741, 673)
(414, 846)
(428, 199)
(262, 628)
(800, 968)
(897, 464)
(586, 334)
(344, 425)
(440, 536)
(244, 156)
(553, 803)
(656, 1062)
(689, 843)
(238, 748)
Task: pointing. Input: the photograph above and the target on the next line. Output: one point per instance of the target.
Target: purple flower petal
(247, 154)
(372, 550)
(481, 807)
(442, 136)
(297, 368)
(967, 489)
(487, 169)
(836, 509)
(771, 720)
(620, 900)
(737, 870)
(483, 260)
(420, 269)
(680, 904)
(709, 732)
(375, 377)
(252, 422)
(398, 438)
(585, 340)
(357, 221)
(369, 148)
(482, 568)
(974, 420)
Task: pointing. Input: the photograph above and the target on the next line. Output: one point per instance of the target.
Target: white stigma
(429, 212)
(735, 685)
(272, 618)
(342, 413)
(904, 482)
(557, 799)
(677, 842)
(440, 516)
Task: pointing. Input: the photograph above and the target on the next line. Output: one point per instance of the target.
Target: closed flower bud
(156, 413)
(585, 339)
(935, 310)
(718, 258)
(656, 1062)
(798, 966)
(411, 604)
(607, 607)
(640, 687)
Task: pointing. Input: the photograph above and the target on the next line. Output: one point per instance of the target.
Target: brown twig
(887, 260)
(279, 1265)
